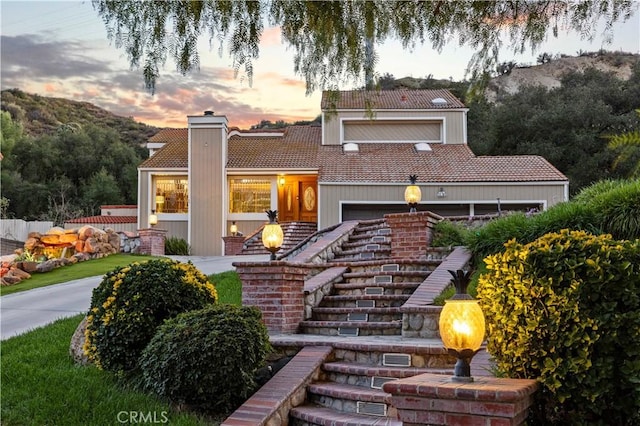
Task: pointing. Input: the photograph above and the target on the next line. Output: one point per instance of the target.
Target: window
(172, 194)
(249, 195)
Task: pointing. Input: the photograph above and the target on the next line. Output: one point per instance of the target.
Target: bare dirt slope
(550, 73)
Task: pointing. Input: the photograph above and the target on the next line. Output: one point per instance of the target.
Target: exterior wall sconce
(153, 218)
(412, 194)
(272, 235)
(281, 180)
(462, 326)
(441, 193)
(233, 228)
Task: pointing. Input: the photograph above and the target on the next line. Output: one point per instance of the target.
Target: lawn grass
(42, 386)
(229, 287)
(88, 268)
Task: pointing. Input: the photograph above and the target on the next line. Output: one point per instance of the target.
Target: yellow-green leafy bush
(207, 358)
(131, 302)
(565, 309)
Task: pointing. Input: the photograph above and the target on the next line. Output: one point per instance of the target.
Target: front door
(297, 198)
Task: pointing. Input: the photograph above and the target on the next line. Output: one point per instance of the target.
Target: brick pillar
(411, 233)
(436, 400)
(233, 245)
(152, 241)
(277, 289)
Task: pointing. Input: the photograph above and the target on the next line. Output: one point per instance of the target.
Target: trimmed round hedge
(131, 302)
(207, 358)
(565, 309)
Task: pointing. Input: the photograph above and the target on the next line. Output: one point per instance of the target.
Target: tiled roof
(393, 162)
(300, 148)
(389, 99)
(169, 135)
(104, 219)
(174, 155)
(296, 149)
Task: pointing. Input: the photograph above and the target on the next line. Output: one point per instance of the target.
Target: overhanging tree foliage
(333, 40)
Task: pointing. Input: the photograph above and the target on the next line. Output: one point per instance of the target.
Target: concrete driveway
(24, 311)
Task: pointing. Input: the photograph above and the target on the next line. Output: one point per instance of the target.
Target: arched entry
(297, 198)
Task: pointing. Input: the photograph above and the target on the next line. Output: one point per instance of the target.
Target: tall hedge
(131, 302)
(565, 309)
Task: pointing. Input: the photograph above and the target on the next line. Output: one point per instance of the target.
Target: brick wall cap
(481, 389)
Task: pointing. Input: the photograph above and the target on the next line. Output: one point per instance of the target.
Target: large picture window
(249, 195)
(171, 194)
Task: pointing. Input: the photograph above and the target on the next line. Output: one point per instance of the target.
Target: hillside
(549, 74)
(40, 115)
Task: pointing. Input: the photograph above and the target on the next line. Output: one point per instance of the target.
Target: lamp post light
(153, 218)
(272, 235)
(233, 228)
(462, 326)
(412, 194)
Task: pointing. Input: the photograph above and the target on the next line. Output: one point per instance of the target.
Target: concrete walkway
(24, 311)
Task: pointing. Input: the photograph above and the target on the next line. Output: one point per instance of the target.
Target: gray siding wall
(390, 131)
(454, 122)
(207, 157)
(333, 196)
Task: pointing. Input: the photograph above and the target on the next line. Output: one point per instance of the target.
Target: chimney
(208, 113)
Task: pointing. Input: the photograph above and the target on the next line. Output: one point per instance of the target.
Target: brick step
(372, 287)
(356, 310)
(365, 240)
(369, 236)
(333, 395)
(381, 300)
(360, 256)
(375, 350)
(373, 376)
(372, 315)
(352, 328)
(311, 415)
(374, 248)
(406, 271)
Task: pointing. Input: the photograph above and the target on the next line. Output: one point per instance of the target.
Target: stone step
(352, 328)
(381, 300)
(310, 415)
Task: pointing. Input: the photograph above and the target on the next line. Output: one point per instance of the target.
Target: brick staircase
(370, 240)
(369, 299)
(368, 319)
(366, 308)
(349, 389)
(294, 234)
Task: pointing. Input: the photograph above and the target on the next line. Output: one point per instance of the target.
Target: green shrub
(618, 210)
(131, 302)
(565, 309)
(447, 233)
(491, 238)
(207, 358)
(605, 207)
(176, 246)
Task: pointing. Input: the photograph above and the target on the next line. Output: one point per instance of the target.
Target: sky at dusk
(61, 49)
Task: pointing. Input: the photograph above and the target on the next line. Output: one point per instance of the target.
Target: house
(355, 165)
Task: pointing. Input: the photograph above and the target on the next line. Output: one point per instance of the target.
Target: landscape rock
(77, 342)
